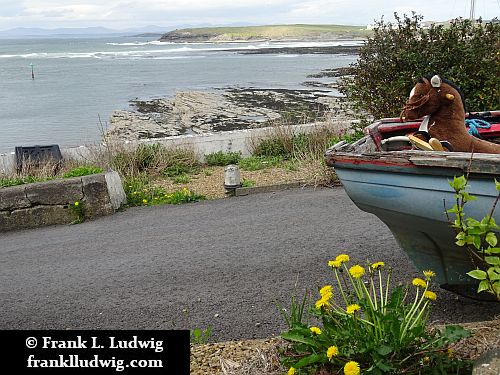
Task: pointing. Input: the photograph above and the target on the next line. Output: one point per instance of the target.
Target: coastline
(214, 111)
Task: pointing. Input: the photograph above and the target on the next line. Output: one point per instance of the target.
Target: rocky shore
(195, 112)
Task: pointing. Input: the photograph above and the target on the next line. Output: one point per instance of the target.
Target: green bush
(398, 54)
(178, 169)
(154, 159)
(221, 158)
(82, 171)
(272, 147)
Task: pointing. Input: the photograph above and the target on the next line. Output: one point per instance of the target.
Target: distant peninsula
(299, 32)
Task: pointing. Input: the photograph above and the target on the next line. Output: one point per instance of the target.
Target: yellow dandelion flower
(357, 271)
(428, 274)
(450, 352)
(342, 258)
(332, 351)
(378, 265)
(419, 283)
(291, 371)
(334, 263)
(323, 302)
(144, 201)
(430, 295)
(351, 368)
(76, 203)
(315, 330)
(327, 289)
(426, 360)
(351, 309)
(134, 193)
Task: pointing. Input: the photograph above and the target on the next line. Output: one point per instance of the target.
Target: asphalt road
(220, 263)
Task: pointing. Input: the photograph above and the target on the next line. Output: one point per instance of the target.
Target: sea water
(79, 82)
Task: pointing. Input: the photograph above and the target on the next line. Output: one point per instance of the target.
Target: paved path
(224, 261)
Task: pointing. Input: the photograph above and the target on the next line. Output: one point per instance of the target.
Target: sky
(128, 14)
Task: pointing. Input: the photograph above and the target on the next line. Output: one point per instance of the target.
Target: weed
(254, 163)
(182, 179)
(177, 169)
(7, 182)
(140, 193)
(221, 158)
(247, 183)
(77, 209)
(291, 165)
(370, 328)
(153, 159)
(82, 171)
(200, 336)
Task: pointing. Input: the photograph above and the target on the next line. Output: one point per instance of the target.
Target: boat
(408, 189)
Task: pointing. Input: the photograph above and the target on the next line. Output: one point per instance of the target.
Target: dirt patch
(209, 181)
(261, 357)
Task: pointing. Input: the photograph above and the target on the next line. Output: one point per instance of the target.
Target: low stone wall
(47, 203)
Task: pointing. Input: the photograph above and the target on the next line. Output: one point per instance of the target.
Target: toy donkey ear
(436, 81)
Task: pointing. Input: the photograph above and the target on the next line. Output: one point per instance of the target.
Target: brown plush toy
(444, 103)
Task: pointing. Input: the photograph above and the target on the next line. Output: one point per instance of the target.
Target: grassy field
(299, 31)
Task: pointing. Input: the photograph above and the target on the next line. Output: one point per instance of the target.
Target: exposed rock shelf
(208, 111)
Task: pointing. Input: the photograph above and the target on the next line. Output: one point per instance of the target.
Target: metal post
(472, 15)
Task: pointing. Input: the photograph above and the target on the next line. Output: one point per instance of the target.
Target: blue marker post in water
(32, 72)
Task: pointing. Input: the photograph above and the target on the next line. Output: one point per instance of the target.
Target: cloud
(130, 13)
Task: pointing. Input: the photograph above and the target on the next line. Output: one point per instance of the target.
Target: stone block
(488, 363)
(13, 197)
(97, 201)
(38, 216)
(5, 224)
(115, 189)
(56, 192)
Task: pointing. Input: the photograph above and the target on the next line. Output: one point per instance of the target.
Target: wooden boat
(408, 190)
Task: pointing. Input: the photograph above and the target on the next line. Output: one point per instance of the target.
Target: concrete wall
(203, 144)
(47, 203)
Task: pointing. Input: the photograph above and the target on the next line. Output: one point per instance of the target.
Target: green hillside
(274, 32)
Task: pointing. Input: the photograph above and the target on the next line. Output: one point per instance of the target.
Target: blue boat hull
(411, 202)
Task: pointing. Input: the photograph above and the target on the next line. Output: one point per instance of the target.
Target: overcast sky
(125, 14)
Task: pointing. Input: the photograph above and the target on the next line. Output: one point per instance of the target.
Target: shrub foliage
(398, 53)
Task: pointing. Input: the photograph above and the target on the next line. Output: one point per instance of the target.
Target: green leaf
(491, 239)
(494, 261)
(384, 350)
(483, 285)
(453, 333)
(297, 337)
(477, 274)
(494, 273)
(497, 185)
(493, 250)
(477, 242)
(384, 366)
(310, 359)
(458, 183)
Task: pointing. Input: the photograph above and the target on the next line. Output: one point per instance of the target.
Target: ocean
(80, 82)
